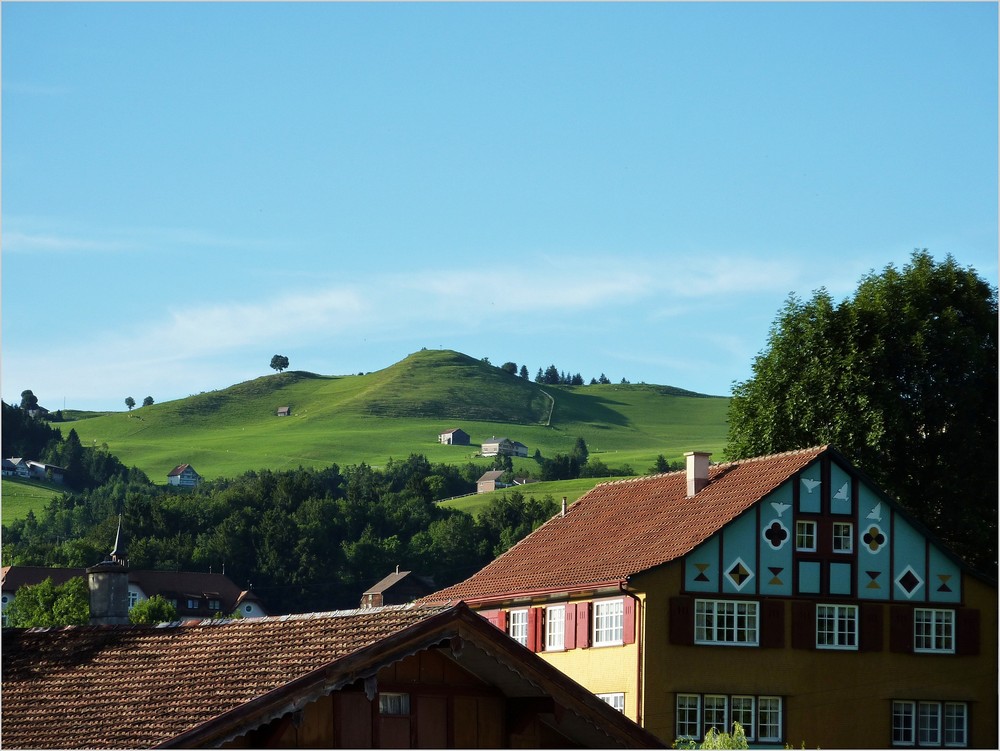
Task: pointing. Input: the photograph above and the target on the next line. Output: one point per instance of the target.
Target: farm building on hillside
(391, 677)
(454, 437)
(16, 467)
(503, 447)
(786, 592)
(490, 481)
(184, 476)
(284, 411)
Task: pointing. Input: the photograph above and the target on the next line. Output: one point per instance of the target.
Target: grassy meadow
(18, 496)
(399, 411)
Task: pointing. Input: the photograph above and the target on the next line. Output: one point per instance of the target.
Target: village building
(194, 594)
(398, 588)
(787, 593)
(454, 437)
(183, 475)
(503, 447)
(390, 677)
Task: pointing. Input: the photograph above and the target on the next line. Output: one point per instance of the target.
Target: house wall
(449, 708)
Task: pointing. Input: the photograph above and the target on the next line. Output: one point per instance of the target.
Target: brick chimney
(697, 471)
(108, 582)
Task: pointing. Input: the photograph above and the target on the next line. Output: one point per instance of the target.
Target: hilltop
(401, 410)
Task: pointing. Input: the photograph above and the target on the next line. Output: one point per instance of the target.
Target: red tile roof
(621, 528)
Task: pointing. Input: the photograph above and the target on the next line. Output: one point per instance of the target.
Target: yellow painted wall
(603, 670)
(834, 699)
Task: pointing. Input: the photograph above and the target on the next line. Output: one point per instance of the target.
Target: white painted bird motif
(810, 484)
(780, 508)
(876, 513)
(842, 494)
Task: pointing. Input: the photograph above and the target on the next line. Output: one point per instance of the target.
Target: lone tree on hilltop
(279, 362)
(147, 401)
(129, 402)
(28, 399)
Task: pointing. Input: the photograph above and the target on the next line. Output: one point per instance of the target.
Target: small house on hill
(183, 475)
(454, 437)
(490, 481)
(503, 447)
(284, 411)
(398, 588)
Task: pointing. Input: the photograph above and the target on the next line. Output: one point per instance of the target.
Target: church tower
(108, 582)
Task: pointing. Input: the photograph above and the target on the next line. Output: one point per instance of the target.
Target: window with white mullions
(555, 628)
(616, 701)
(930, 724)
(743, 713)
(726, 622)
(608, 622)
(517, 626)
(769, 719)
(716, 713)
(837, 626)
(843, 537)
(956, 720)
(805, 536)
(689, 716)
(933, 630)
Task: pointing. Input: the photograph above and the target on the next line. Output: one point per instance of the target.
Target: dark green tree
(152, 611)
(46, 605)
(279, 363)
(28, 400)
(509, 367)
(129, 402)
(902, 378)
(524, 372)
(147, 401)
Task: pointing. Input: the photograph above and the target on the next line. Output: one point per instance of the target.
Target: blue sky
(631, 189)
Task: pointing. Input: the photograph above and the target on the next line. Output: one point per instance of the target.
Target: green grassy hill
(401, 410)
(20, 496)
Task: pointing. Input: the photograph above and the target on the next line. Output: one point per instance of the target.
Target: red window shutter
(535, 630)
(967, 631)
(803, 625)
(569, 632)
(583, 624)
(502, 620)
(870, 627)
(681, 625)
(491, 615)
(628, 621)
(900, 629)
(772, 624)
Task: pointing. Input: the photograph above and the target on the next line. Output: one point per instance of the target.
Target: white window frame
(613, 700)
(904, 728)
(715, 713)
(394, 705)
(555, 628)
(770, 716)
(743, 709)
(843, 537)
(517, 625)
(930, 724)
(934, 630)
(687, 723)
(837, 627)
(728, 622)
(956, 723)
(609, 623)
(805, 536)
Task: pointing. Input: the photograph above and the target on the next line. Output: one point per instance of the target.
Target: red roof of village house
(621, 528)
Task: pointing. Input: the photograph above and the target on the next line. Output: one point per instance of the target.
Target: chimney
(697, 471)
(108, 582)
(564, 506)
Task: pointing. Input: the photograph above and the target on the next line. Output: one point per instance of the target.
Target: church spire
(119, 555)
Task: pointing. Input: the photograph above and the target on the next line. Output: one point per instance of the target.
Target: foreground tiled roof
(621, 528)
(135, 687)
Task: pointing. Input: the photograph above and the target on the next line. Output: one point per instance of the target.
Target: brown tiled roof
(134, 687)
(621, 528)
(199, 684)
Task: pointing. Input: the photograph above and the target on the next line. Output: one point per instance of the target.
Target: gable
(825, 531)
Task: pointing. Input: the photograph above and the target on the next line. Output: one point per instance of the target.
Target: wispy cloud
(42, 236)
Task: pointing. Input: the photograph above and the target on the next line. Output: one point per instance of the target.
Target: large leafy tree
(279, 362)
(46, 605)
(902, 378)
(154, 610)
